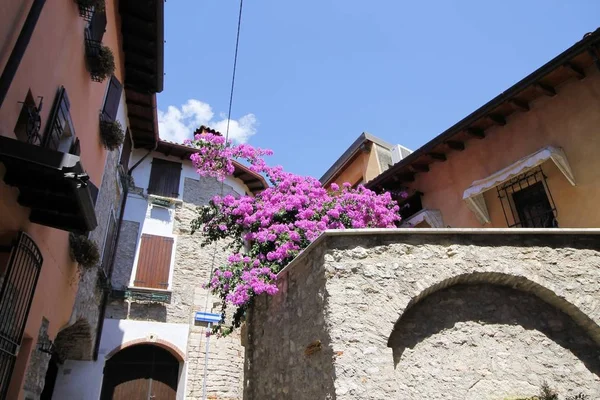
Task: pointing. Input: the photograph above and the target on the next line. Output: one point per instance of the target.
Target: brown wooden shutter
(164, 178)
(113, 98)
(154, 262)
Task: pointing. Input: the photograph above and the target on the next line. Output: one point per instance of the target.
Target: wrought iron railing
(16, 295)
(527, 201)
(92, 54)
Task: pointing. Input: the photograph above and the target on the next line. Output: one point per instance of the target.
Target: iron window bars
(18, 287)
(86, 10)
(92, 53)
(33, 121)
(527, 201)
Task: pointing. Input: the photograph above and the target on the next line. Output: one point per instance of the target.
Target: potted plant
(83, 250)
(111, 134)
(101, 61)
(88, 7)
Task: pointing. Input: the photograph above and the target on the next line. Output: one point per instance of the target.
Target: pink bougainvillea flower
(267, 231)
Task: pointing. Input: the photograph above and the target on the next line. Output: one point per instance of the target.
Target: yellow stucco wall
(364, 166)
(570, 120)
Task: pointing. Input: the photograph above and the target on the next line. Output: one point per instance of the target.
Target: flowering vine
(267, 231)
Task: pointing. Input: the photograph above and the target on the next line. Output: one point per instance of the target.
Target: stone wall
(192, 269)
(35, 378)
(77, 341)
(467, 316)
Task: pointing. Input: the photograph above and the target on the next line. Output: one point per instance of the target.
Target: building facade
(525, 159)
(157, 289)
(364, 160)
(52, 164)
(69, 71)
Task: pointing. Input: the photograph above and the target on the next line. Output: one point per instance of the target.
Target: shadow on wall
(490, 332)
(75, 342)
(148, 311)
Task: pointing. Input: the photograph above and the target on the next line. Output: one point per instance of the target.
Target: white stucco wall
(141, 174)
(82, 380)
(158, 220)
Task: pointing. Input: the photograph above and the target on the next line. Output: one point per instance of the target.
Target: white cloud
(177, 124)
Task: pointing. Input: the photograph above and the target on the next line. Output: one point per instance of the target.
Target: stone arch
(484, 335)
(75, 342)
(170, 347)
(517, 282)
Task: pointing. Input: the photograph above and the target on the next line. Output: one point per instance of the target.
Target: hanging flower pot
(83, 250)
(101, 61)
(88, 7)
(111, 134)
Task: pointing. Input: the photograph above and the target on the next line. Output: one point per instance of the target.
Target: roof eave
(583, 45)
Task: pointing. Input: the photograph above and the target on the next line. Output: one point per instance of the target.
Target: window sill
(164, 201)
(143, 295)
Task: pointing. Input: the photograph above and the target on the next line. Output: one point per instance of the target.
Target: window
(164, 178)
(28, 124)
(113, 98)
(60, 134)
(527, 201)
(410, 206)
(154, 262)
(97, 26)
(109, 244)
(126, 152)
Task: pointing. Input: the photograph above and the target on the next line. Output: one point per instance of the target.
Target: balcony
(52, 183)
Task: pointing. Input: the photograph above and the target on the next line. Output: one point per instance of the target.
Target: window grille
(19, 279)
(527, 202)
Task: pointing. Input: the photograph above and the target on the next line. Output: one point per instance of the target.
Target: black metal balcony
(52, 183)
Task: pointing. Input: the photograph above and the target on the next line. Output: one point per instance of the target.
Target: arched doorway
(141, 372)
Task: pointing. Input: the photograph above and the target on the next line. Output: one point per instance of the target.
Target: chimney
(205, 129)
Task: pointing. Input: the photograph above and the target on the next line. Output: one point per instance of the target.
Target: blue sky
(313, 74)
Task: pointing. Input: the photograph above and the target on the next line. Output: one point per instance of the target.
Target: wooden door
(143, 372)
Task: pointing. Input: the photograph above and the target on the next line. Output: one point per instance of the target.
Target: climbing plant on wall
(267, 231)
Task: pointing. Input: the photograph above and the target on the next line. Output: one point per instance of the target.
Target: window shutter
(60, 119)
(113, 98)
(164, 178)
(154, 262)
(126, 152)
(97, 26)
(109, 245)
(75, 148)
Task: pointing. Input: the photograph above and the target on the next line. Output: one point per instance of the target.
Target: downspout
(12, 65)
(106, 292)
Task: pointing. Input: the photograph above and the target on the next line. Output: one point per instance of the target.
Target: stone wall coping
(434, 231)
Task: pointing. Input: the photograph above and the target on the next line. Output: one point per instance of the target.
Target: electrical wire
(212, 269)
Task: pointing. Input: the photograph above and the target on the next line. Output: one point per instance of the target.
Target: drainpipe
(114, 255)
(12, 65)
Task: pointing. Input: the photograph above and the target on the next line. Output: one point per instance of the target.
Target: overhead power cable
(212, 269)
